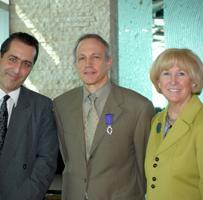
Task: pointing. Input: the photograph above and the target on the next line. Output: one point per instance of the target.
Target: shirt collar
(101, 92)
(13, 95)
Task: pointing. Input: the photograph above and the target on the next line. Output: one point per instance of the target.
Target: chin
(89, 83)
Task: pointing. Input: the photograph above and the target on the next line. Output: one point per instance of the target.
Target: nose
(17, 67)
(89, 61)
(173, 79)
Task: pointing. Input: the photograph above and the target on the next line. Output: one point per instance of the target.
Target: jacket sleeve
(142, 132)
(199, 152)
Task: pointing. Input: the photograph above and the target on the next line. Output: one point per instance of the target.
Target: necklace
(170, 120)
(169, 123)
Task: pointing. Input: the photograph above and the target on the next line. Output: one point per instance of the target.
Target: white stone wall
(57, 24)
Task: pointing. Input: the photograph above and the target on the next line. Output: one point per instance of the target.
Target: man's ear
(109, 62)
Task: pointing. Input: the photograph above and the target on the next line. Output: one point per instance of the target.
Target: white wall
(57, 24)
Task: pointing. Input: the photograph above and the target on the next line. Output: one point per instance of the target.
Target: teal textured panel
(184, 25)
(4, 28)
(135, 44)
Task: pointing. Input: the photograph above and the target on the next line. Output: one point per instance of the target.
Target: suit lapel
(74, 112)
(16, 129)
(79, 124)
(112, 106)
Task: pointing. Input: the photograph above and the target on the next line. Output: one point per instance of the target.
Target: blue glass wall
(135, 38)
(4, 21)
(184, 25)
(183, 28)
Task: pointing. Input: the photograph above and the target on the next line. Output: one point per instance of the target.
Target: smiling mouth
(173, 90)
(91, 73)
(13, 77)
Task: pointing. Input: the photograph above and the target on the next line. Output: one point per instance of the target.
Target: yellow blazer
(174, 164)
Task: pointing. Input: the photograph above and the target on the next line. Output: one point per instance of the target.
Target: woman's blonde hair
(185, 59)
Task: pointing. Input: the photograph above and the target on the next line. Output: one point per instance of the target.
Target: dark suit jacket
(28, 158)
(115, 169)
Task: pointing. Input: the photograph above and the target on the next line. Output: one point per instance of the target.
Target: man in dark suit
(103, 162)
(29, 148)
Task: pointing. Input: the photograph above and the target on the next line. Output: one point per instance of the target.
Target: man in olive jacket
(113, 167)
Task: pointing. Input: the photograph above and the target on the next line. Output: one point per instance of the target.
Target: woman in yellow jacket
(174, 157)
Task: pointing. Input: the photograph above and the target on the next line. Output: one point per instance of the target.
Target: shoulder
(73, 93)
(197, 127)
(69, 96)
(159, 115)
(34, 96)
(198, 121)
(132, 102)
(130, 95)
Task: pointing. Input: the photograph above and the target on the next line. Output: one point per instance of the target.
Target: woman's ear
(158, 83)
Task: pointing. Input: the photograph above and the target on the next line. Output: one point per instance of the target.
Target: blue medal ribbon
(109, 121)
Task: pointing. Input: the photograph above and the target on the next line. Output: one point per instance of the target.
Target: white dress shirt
(11, 102)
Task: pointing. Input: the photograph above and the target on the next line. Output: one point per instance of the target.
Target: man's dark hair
(94, 36)
(22, 37)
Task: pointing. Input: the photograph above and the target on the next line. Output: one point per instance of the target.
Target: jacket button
(157, 159)
(153, 186)
(153, 178)
(154, 165)
(24, 166)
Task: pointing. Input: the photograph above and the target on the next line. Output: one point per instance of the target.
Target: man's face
(92, 64)
(15, 65)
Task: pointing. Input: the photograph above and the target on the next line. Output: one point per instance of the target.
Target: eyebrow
(28, 61)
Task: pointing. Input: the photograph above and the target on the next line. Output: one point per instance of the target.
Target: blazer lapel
(179, 129)
(182, 124)
(112, 106)
(16, 129)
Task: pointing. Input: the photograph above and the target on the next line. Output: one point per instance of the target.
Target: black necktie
(3, 120)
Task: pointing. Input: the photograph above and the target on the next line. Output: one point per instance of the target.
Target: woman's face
(176, 85)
